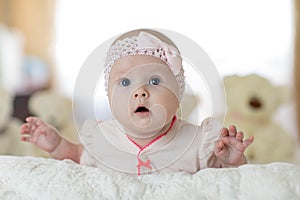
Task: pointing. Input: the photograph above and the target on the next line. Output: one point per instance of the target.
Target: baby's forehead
(142, 71)
(138, 60)
(128, 63)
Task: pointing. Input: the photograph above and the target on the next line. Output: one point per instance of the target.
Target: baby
(144, 83)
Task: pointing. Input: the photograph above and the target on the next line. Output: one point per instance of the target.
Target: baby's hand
(40, 133)
(231, 146)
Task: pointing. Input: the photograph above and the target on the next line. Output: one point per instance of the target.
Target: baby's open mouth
(142, 111)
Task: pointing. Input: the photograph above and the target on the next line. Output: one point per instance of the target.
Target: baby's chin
(146, 125)
(145, 122)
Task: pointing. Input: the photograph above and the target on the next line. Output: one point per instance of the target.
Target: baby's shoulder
(92, 124)
(210, 123)
(207, 125)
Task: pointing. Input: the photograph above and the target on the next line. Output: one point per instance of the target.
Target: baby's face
(143, 93)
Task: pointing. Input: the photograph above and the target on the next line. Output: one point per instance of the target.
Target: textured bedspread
(40, 178)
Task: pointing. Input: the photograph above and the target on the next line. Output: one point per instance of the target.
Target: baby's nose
(140, 93)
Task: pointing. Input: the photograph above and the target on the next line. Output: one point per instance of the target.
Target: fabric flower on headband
(146, 44)
(169, 52)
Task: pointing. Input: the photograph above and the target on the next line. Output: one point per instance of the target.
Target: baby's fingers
(34, 120)
(248, 141)
(25, 131)
(239, 136)
(232, 130)
(26, 128)
(224, 132)
(219, 147)
(25, 137)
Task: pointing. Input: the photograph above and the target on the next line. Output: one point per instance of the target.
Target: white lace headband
(146, 44)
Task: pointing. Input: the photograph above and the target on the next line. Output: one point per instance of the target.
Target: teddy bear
(251, 102)
(10, 143)
(8, 125)
(56, 110)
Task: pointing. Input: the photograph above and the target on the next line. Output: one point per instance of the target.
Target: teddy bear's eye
(255, 103)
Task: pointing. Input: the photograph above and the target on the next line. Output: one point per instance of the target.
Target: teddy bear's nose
(255, 103)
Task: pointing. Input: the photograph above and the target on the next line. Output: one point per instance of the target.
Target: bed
(44, 178)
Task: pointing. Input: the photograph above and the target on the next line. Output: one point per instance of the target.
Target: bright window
(249, 36)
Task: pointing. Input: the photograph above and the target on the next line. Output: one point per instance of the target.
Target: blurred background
(43, 43)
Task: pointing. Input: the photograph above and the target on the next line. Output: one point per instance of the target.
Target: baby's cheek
(159, 109)
(119, 102)
(170, 101)
(160, 116)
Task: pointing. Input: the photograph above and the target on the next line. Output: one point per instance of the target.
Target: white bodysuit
(185, 147)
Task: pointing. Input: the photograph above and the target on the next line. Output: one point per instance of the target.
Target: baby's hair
(157, 34)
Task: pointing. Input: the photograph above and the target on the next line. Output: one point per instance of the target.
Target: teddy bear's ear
(34, 102)
(5, 94)
(230, 81)
(68, 103)
(284, 94)
(7, 99)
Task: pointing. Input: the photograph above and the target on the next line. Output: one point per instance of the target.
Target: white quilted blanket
(40, 178)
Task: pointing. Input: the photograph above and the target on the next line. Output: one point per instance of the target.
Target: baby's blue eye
(125, 82)
(154, 81)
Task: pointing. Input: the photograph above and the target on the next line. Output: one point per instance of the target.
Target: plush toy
(10, 143)
(8, 126)
(251, 102)
(56, 110)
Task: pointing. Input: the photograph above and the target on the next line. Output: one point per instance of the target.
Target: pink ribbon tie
(145, 164)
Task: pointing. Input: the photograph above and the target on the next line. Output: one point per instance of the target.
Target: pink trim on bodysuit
(147, 162)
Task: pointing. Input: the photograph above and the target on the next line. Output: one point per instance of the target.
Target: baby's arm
(231, 146)
(47, 138)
